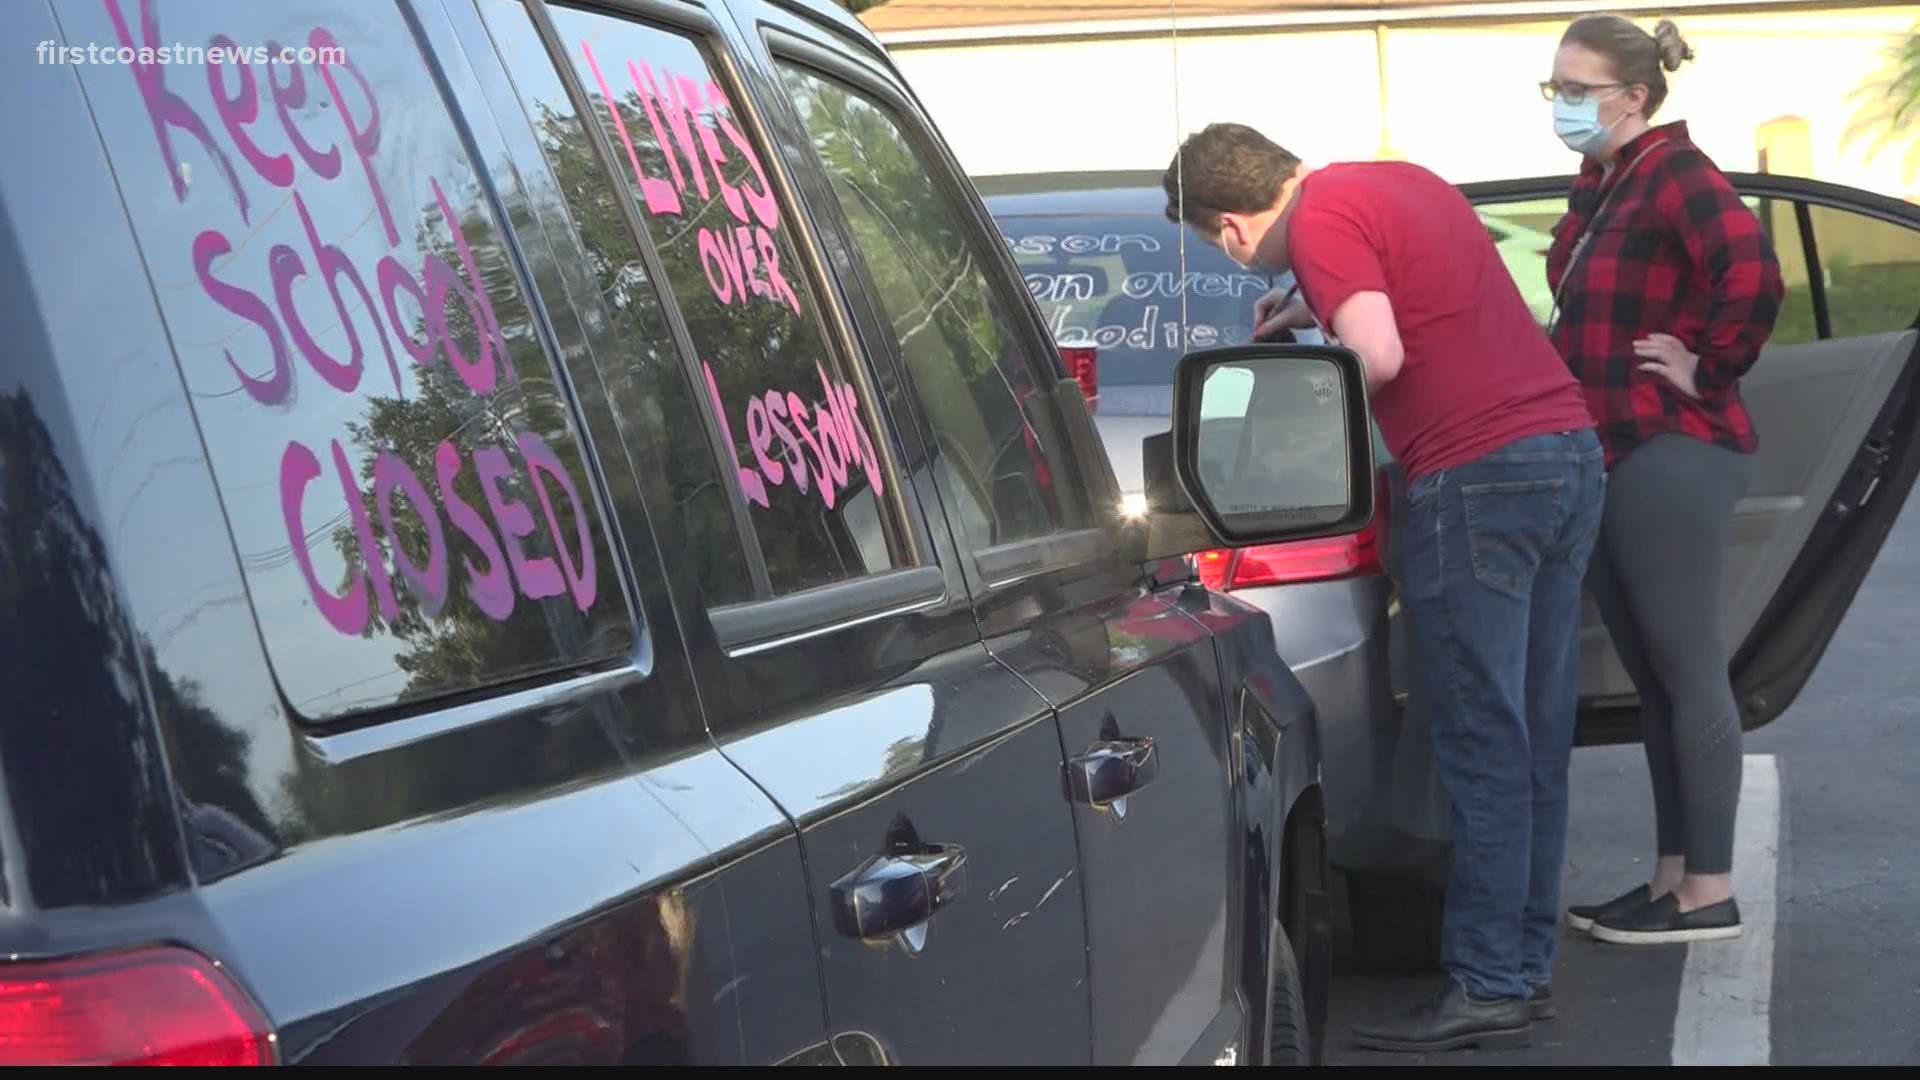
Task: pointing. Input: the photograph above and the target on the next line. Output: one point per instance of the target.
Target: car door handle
(894, 894)
(1113, 769)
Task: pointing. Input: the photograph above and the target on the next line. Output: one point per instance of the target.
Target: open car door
(1832, 398)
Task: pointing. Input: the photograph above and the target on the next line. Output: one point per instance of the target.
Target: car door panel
(1824, 410)
(850, 683)
(1129, 670)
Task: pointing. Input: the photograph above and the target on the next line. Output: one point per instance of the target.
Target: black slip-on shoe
(1663, 923)
(1453, 1020)
(1541, 1003)
(1581, 918)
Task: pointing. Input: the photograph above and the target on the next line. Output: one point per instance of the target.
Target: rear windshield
(1115, 283)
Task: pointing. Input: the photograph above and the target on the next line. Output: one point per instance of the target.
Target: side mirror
(1271, 442)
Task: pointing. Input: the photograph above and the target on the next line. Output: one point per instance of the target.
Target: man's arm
(1366, 325)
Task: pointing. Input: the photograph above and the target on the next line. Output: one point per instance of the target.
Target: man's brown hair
(1225, 169)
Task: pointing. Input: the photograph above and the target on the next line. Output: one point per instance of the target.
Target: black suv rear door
(837, 658)
(1032, 504)
(1832, 400)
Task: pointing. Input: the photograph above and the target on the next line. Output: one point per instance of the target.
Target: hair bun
(1674, 49)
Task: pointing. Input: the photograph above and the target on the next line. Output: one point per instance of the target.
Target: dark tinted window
(1007, 468)
(804, 436)
(401, 475)
(645, 379)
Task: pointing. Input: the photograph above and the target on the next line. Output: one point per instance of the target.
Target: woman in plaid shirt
(1666, 289)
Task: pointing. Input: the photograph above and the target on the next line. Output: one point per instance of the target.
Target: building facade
(1050, 85)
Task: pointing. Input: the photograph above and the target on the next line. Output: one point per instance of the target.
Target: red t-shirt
(1478, 372)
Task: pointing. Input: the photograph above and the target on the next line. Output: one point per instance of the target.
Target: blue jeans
(1496, 550)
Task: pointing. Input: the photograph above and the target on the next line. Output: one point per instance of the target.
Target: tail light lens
(1360, 555)
(1083, 363)
(157, 1006)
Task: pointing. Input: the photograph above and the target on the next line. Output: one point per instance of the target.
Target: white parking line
(1726, 991)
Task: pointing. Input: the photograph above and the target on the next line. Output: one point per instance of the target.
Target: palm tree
(1890, 102)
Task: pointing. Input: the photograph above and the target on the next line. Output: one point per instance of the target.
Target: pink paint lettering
(682, 104)
(479, 374)
(346, 612)
(488, 546)
(776, 403)
(287, 268)
(759, 197)
(491, 590)
(543, 464)
(365, 138)
(273, 389)
(751, 484)
(376, 567)
(428, 584)
(539, 578)
(649, 100)
(332, 263)
(166, 109)
(289, 97)
(722, 266)
(659, 195)
(240, 109)
(823, 442)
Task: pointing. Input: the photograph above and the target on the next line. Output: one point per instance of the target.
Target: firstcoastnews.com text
(52, 52)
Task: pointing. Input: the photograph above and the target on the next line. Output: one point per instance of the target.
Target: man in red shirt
(1505, 485)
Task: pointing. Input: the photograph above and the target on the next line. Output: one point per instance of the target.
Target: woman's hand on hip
(1664, 355)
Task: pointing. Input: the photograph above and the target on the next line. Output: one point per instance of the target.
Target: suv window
(1113, 282)
(1008, 472)
(401, 475)
(805, 438)
(653, 399)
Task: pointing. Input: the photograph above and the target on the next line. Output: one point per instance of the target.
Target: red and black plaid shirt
(1674, 251)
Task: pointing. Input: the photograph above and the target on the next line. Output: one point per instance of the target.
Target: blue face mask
(1579, 125)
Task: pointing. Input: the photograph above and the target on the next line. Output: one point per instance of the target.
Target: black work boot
(1453, 1020)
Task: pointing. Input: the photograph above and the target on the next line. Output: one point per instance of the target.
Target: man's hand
(1274, 313)
(1365, 324)
(1669, 358)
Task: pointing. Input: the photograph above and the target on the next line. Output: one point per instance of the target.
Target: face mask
(1579, 126)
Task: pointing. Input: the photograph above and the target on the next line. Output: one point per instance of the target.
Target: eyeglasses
(1573, 93)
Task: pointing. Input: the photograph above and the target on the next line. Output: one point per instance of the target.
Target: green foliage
(1889, 103)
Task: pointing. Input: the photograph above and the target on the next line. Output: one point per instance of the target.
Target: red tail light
(1083, 363)
(158, 1006)
(1357, 555)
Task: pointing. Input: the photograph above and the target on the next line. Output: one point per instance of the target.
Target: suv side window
(806, 441)
(401, 475)
(659, 420)
(1008, 473)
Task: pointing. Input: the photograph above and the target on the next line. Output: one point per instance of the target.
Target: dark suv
(532, 534)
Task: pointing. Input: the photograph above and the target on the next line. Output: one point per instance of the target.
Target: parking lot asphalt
(1829, 970)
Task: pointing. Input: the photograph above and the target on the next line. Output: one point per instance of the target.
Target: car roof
(1129, 192)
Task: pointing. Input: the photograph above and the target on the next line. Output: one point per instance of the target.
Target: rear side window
(641, 365)
(804, 438)
(1008, 472)
(1115, 283)
(401, 475)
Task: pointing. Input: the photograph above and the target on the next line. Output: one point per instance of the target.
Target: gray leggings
(1658, 579)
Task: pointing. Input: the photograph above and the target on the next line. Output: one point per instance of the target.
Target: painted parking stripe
(1726, 990)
